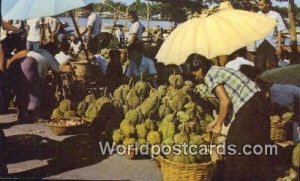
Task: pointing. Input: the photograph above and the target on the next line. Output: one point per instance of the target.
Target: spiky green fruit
(129, 141)
(65, 105)
(154, 137)
(168, 141)
(56, 114)
(209, 118)
(196, 139)
(182, 117)
(89, 99)
(117, 136)
(69, 114)
(181, 138)
(296, 156)
(141, 88)
(142, 141)
(161, 91)
(141, 130)
(81, 108)
(163, 111)
(149, 105)
(118, 95)
(168, 130)
(127, 129)
(92, 112)
(287, 116)
(132, 99)
(133, 116)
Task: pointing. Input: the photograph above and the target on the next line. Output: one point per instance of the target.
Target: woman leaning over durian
(240, 106)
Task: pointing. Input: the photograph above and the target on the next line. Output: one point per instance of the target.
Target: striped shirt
(238, 87)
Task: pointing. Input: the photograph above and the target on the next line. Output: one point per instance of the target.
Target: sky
(274, 2)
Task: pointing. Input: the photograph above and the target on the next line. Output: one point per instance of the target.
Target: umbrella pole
(79, 36)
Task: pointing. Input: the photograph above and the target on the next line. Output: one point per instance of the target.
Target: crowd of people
(30, 49)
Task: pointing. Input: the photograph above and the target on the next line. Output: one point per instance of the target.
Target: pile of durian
(166, 115)
(105, 53)
(90, 108)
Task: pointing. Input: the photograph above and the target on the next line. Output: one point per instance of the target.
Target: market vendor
(139, 65)
(241, 96)
(136, 29)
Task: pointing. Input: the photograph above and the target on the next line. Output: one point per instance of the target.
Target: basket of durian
(278, 126)
(64, 120)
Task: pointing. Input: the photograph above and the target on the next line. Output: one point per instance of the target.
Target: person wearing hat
(242, 108)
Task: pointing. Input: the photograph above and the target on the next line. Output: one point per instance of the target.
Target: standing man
(136, 29)
(140, 66)
(34, 33)
(93, 29)
(269, 49)
(52, 25)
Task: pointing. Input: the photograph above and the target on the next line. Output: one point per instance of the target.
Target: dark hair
(136, 46)
(196, 62)
(268, 2)
(133, 14)
(240, 52)
(250, 71)
(114, 53)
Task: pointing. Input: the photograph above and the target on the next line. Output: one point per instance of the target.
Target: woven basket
(63, 130)
(278, 132)
(173, 171)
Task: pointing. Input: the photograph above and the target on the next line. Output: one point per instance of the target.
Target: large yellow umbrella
(220, 33)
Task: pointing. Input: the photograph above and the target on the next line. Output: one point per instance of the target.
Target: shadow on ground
(72, 153)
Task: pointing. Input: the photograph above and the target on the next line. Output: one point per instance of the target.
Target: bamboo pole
(148, 17)
(115, 20)
(124, 14)
(79, 36)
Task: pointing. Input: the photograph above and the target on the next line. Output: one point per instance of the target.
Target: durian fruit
(132, 99)
(154, 137)
(117, 136)
(168, 141)
(209, 118)
(129, 141)
(133, 116)
(124, 121)
(190, 105)
(65, 105)
(181, 127)
(275, 119)
(153, 92)
(149, 105)
(186, 89)
(81, 108)
(196, 139)
(206, 137)
(69, 114)
(150, 124)
(161, 91)
(102, 100)
(141, 88)
(163, 111)
(288, 116)
(125, 91)
(176, 81)
(118, 95)
(177, 103)
(172, 92)
(182, 117)
(56, 114)
(92, 112)
(296, 156)
(189, 83)
(127, 129)
(89, 99)
(141, 130)
(181, 138)
(168, 130)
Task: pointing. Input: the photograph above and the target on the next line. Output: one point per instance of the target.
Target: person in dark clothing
(114, 71)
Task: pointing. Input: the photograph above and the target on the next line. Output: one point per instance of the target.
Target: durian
(141, 130)
(181, 138)
(65, 105)
(117, 136)
(69, 114)
(56, 114)
(154, 137)
(127, 129)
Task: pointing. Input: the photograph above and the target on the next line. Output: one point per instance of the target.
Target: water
(82, 23)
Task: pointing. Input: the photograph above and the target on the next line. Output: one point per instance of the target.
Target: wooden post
(79, 36)
(148, 17)
(116, 19)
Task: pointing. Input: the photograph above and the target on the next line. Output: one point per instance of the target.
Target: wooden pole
(115, 20)
(79, 36)
(148, 17)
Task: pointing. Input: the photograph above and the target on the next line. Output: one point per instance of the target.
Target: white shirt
(280, 26)
(103, 63)
(53, 23)
(62, 58)
(95, 21)
(2, 34)
(137, 28)
(147, 66)
(34, 33)
(45, 61)
(76, 47)
(238, 62)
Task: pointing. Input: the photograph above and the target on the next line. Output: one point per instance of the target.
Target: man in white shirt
(34, 33)
(239, 60)
(93, 29)
(269, 49)
(136, 29)
(52, 25)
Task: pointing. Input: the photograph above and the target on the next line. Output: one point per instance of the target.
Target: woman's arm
(224, 107)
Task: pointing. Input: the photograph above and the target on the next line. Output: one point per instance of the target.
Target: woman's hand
(216, 129)
(211, 125)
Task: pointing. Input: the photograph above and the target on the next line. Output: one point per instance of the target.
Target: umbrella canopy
(213, 35)
(26, 9)
(283, 75)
